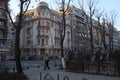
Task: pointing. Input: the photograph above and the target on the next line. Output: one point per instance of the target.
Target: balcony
(42, 36)
(3, 17)
(3, 27)
(2, 37)
(57, 37)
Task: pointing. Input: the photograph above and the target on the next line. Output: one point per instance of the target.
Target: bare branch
(68, 5)
(99, 13)
(81, 4)
(92, 6)
(27, 3)
(8, 11)
(113, 17)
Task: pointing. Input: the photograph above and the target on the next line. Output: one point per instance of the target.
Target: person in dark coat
(46, 62)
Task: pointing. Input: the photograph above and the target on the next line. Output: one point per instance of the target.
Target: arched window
(42, 42)
(38, 41)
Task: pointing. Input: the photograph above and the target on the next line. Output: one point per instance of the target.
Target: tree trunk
(91, 35)
(18, 52)
(62, 50)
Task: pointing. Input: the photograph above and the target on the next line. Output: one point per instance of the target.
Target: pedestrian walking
(46, 62)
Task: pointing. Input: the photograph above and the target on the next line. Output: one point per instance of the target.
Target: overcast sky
(107, 5)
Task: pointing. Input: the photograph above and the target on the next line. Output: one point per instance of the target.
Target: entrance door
(42, 53)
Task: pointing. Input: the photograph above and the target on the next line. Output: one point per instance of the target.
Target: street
(34, 74)
(29, 64)
(33, 69)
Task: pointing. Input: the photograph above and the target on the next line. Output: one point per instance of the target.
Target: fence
(106, 68)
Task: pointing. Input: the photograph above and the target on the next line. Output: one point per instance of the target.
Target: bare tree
(63, 10)
(98, 15)
(113, 16)
(92, 8)
(89, 17)
(23, 6)
(103, 34)
(100, 36)
(111, 19)
(102, 29)
(62, 26)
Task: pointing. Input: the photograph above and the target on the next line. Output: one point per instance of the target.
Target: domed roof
(43, 6)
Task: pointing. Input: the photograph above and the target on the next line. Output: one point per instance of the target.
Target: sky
(106, 5)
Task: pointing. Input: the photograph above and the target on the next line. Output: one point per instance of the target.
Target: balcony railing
(2, 37)
(2, 27)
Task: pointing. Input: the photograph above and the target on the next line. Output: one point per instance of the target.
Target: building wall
(115, 39)
(81, 39)
(41, 32)
(119, 39)
(3, 22)
(4, 43)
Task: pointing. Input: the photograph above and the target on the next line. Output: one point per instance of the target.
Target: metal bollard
(40, 75)
(57, 76)
(66, 78)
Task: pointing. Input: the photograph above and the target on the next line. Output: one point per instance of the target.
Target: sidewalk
(34, 74)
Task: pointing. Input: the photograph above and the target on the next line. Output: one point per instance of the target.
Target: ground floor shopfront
(41, 52)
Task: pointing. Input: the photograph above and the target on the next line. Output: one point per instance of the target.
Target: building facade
(41, 34)
(3, 23)
(79, 29)
(3, 28)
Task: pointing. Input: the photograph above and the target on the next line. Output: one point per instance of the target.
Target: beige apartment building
(41, 32)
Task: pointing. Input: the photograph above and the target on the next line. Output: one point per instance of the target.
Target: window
(28, 24)
(39, 23)
(55, 42)
(42, 42)
(76, 12)
(38, 41)
(28, 31)
(1, 23)
(1, 33)
(42, 32)
(42, 13)
(55, 32)
(47, 32)
(79, 34)
(2, 5)
(46, 41)
(28, 42)
(42, 22)
(68, 35)
(47, 23)
(85, 35)
(47, 14)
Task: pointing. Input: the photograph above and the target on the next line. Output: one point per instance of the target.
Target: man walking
(46, 62)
